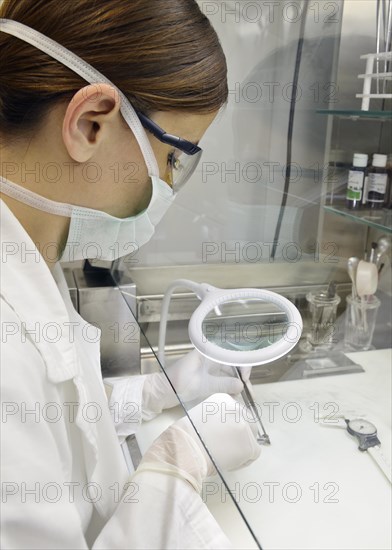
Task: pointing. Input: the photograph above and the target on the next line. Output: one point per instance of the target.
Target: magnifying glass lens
(245, 325)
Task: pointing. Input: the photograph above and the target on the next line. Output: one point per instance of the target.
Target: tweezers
(246, 394)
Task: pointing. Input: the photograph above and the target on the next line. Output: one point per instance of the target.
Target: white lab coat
(64, 477)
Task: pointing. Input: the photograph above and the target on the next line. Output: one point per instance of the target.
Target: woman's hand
(224, 427)
(193, 377)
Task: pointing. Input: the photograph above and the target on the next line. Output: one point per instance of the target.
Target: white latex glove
(245, 373)
(193, 377)
(230, 438)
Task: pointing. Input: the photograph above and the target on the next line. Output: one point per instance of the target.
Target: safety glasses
(185, 158)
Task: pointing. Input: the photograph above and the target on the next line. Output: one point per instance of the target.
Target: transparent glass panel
(245, 325)
(379, 219)
(255, 196)
(218, 498)
(264, 209)
(356, 114)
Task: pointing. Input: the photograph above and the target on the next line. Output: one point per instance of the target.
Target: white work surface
(312, 488)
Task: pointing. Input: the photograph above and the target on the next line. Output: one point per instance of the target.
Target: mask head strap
(88, 73)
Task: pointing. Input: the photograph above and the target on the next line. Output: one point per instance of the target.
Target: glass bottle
(355, 181)
(377, 181)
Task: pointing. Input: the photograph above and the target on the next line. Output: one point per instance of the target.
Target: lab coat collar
(28, 285)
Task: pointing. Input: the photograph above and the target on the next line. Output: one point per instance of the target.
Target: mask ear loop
(89, 74)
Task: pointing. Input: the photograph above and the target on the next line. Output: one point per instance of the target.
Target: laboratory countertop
(311, 488)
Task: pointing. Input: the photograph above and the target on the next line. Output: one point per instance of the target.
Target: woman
(81, 178)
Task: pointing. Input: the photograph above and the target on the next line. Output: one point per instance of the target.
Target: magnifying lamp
(238, 327)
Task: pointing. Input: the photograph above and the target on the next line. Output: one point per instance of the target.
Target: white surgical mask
(93, 233)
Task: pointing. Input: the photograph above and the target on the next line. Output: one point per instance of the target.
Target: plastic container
(355, 181)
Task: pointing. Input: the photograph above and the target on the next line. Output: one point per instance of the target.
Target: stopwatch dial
(362, 427)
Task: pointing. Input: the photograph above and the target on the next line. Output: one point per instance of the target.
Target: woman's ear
(89, 115)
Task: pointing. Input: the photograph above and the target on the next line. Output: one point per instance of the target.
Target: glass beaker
(361, 317)
(323, 310)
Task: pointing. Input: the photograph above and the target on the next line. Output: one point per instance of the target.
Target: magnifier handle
(249, 402)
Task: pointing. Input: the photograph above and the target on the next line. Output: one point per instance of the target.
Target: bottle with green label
(356, 176)
(377, 182)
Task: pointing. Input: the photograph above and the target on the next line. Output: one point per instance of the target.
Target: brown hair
(163, 54)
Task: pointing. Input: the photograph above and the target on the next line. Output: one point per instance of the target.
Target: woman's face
(99, 141)
(187, 126)
(85, 154)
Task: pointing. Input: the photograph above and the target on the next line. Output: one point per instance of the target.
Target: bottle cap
(360, 160)
(380, 161)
